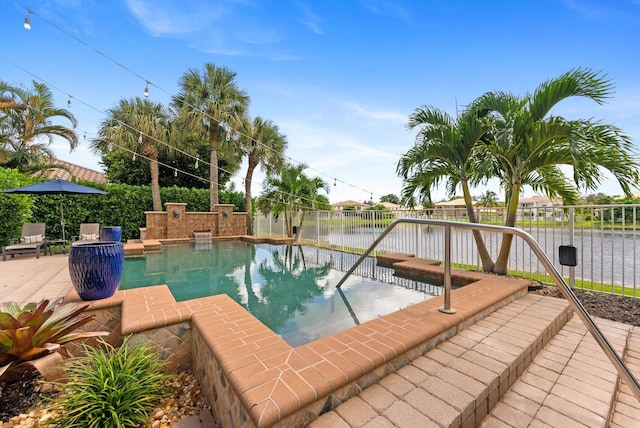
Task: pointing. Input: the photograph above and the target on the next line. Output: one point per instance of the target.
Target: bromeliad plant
(37, 330)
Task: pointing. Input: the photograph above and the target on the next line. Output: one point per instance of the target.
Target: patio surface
(569, 382)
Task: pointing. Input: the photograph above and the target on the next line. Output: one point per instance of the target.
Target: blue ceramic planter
(96, 268)
(111, 233)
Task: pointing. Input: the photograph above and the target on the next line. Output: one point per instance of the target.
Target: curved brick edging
(252, 377)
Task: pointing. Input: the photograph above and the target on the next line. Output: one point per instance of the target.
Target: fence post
(342, 229)
(572, 269)
(317, 214)
(447, 309)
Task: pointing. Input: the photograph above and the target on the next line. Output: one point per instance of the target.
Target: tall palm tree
(291, 193)
(264, 146)
(445, 150)
(139, 126)
(210, 102)
(28, 128)
(529, 144)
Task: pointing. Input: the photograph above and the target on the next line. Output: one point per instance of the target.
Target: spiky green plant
(36, 330)
(111, 387)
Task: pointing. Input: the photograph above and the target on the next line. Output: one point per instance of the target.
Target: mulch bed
(622, 309)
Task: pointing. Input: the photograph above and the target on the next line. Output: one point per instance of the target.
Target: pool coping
(279, 384)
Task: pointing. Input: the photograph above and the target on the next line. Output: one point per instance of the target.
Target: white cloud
(170, 18)
(310, 20)
(376, 114)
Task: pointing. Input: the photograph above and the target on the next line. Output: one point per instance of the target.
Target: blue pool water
(291, 289)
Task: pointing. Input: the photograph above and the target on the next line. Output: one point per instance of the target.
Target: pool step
(570, 383)
(458, 382)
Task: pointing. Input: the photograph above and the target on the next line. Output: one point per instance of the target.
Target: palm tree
(27, 129)
(445, 150)
(488, 199)
(528, 144)
(139, 126)
(264, 146)
(311, 198)
(291, 193)
(210, 102)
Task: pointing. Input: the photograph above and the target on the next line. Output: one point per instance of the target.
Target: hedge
(124, 205)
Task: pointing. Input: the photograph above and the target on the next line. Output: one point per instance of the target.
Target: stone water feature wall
(178, 223)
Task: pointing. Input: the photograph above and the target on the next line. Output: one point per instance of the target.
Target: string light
(236, 134)
(27, 20)
(69, 101)
(175, 172)
(197, 159)
(134, 156)
(140, 138)
(335, 182)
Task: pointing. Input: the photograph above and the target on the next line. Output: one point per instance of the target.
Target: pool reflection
(292, 294)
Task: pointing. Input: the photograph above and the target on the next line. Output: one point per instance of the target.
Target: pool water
(291, 289)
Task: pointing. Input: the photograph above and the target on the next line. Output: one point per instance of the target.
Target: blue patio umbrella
(57, 187)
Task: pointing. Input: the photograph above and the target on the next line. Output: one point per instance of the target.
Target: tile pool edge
(275, 383)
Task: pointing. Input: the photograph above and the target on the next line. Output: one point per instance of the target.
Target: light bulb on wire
(27, 20)
(146, 90)
(69, 101)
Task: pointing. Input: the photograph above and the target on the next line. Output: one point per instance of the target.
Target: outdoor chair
(31, 241)
(88, 232)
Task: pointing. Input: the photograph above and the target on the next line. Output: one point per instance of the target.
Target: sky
(339, 77)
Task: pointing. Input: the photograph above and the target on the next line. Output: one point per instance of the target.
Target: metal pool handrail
(568, 293)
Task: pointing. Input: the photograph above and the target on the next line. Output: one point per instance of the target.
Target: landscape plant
(35, 330)
(111, 387)
(14, 209)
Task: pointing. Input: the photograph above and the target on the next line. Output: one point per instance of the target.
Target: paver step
(571, 383)
(626, 410)
(456, 383)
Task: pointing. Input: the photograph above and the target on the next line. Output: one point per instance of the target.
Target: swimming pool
(291, 289)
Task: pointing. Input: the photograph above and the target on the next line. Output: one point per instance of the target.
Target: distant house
(452, 208)
(392, 207)
(538, 206)
(357, 206)
(72, 172)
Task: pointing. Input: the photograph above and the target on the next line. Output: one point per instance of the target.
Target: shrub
(111, 387)
(37, 330)
(14, 209)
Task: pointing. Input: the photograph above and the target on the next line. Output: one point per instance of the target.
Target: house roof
(459, 202)
(349, 203)
(73, 172)
(391, 205)
(539, 200)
